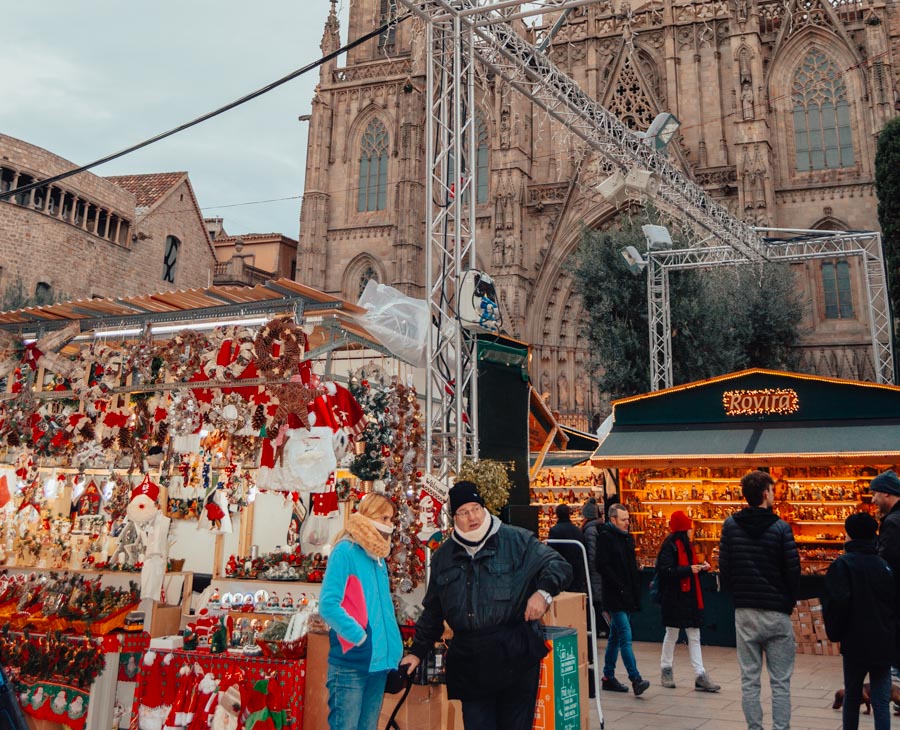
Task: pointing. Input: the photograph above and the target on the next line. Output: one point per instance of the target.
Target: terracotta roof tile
(148, 189)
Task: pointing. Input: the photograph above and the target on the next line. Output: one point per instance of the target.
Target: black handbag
(397, 680)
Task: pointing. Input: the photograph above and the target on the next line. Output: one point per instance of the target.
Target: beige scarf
(367, 536)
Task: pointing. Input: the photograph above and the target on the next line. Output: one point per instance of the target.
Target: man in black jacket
(759, 565)
(885, 489)
(858, 604)
(621, 595)
(491, 583)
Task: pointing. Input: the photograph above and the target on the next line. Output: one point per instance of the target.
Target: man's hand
(536, 607)
(410, 661)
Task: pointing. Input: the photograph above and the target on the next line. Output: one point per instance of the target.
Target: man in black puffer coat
(760, 567)
(858, 604)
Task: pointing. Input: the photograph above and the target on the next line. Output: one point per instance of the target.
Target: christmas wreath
(99, 371)
(291, 344)
(184, 413)
(228, 412)
(182, 355)
(231, 352)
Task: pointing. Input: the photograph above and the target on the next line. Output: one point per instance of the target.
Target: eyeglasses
(466, 513)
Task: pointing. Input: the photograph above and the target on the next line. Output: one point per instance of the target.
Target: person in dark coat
(678, 573)
(593, 522)
(491, 583)
(858, 605)
(621, 595)
(885, 489)
(565, 530)
(760, 566)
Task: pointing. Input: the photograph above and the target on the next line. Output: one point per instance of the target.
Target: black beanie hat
(861, 526)
(462, 493)
(887, 482)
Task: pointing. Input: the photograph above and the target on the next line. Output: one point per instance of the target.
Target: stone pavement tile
(814, 682)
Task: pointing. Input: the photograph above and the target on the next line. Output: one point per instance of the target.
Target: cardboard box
(584, 692)
(315, 698)
(165, 620)
(558, 703)
(424, 709)
(570, 610)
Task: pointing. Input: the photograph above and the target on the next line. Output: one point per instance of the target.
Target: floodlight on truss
(641, 182)
(661, 131)
(613, 188)
(658, 237)
(636, 263)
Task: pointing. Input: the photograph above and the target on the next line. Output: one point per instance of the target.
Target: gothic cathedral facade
(780, 103)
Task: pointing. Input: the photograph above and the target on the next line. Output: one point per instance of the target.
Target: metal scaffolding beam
(792, 247)
(451, 390)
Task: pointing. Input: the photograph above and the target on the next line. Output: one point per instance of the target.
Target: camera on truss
(479, 305)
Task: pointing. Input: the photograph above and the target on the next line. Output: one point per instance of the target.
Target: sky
(85, 79)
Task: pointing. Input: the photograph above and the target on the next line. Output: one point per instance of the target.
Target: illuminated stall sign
(780, 401)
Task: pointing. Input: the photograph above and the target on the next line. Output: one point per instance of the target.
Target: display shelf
(814, 541)
(815, 522)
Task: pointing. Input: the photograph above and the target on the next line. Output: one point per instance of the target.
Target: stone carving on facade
(562, 385)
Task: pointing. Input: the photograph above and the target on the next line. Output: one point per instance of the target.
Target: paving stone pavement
(813, 685)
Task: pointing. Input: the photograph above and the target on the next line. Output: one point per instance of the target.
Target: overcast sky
(84, 79)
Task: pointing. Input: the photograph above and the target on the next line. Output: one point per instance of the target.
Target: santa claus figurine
(145, 538)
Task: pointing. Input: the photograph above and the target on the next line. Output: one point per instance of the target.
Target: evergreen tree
(887, 188)
(723, 318)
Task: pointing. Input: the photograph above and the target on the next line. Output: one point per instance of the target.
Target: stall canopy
(756, 418)
(330, 320)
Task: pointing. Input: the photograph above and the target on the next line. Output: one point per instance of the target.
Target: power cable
(221, 110)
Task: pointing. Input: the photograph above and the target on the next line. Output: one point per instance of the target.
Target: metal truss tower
(788, 246)
(460, 33)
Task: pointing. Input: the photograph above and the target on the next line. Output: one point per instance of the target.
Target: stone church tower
(780, 104)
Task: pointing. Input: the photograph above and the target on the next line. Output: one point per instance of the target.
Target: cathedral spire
(331, 37)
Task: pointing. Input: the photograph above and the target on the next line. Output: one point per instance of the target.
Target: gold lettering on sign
(781, 401)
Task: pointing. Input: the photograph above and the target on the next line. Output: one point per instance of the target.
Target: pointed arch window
(373, 162)
(367, 274)
(482, 166)
(822, 133)
(387, 13)
(837, 290)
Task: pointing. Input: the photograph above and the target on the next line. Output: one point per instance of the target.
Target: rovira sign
(780, 401)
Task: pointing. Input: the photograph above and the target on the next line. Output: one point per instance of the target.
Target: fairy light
(780, 401)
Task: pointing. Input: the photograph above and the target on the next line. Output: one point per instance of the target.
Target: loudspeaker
(503, 407)
(523, 515)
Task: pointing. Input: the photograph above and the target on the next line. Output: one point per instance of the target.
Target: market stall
(687, 447)
(219, 434)
(560, 469)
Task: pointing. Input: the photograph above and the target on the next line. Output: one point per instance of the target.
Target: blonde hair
(375, 504)
(372, 505)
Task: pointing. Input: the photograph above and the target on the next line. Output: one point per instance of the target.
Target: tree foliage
(723, 318)
(887, 188)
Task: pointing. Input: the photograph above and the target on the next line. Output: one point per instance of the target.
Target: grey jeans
(765, 632)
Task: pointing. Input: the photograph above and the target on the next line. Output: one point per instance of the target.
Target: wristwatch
(546, 596)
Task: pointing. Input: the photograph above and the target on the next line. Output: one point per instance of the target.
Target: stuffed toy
(145, 538)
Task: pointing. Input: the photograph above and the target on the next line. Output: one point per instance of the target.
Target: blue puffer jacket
(377, 646)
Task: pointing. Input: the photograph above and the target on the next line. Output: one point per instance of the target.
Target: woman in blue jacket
(356, 603)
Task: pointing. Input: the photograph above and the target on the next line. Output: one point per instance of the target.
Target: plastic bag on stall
(400, 323)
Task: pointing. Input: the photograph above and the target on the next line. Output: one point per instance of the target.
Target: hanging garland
(232, 350)
(290, 339)
(183, 354)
